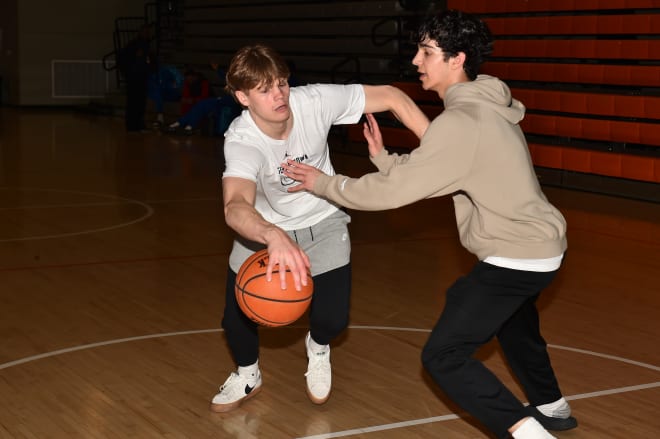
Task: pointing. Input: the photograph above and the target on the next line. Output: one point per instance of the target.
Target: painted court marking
(373, 428)
(115, 200)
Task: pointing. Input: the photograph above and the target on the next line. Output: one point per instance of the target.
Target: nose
(416, 61)
(277, 92)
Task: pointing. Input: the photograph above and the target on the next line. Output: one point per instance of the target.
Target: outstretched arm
(388, 98)
(437, 167)
(239, 196)
(306, 175)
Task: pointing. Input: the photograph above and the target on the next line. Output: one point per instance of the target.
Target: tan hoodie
(476, 151)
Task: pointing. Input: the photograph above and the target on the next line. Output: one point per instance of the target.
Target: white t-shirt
(252, 155)
(538, 265)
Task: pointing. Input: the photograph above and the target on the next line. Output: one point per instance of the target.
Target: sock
(174, 125)
(531, 429)
(249, 371)
(557, 409)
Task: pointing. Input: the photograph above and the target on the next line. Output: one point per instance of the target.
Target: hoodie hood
(486, 91)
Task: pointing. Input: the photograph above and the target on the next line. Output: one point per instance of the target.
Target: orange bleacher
(590, 82)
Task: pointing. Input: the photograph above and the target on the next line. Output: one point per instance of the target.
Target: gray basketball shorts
(327, 244)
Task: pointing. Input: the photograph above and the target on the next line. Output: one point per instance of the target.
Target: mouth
(282, 108)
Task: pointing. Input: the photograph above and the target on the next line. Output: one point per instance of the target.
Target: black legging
(328, 314)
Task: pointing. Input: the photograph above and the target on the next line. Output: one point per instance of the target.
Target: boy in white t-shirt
(300, 230)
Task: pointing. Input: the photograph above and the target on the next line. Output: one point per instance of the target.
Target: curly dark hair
(455, 32)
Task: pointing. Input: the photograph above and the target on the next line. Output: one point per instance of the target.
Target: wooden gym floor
(113, 254)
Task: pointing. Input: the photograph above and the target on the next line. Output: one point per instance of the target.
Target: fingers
(297, 263)
(371, 120)
(296, 282)
(373, 125)
(293, 171)
(280, 267)
(370, 126)
(367, 132)
(303, 269)
(304, 174)
(372, 135)
(296, 168)
(289, 168)
(269, 269)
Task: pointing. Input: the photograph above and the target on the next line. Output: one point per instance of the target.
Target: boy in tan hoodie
(476, 152)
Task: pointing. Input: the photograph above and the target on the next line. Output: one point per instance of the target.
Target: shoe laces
(319, 365)
(228, 384)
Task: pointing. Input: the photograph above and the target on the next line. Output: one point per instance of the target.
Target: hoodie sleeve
(384, 161)
(437, 167)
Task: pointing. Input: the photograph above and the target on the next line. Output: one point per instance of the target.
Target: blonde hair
(254, 65)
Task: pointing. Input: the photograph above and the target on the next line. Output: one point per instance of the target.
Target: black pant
(492, 301)
(136, 103)
(328, 314)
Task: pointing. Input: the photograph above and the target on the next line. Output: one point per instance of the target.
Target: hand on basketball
(373, 136)
(265, 302)
(282, 253)
(304, 174)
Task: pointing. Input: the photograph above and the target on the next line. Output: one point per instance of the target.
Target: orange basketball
(265, 302)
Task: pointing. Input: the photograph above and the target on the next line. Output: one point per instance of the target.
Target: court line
(609, 357)
(374, 428)
(382, 427)
(113, 261)
(62, 206)
(184, 200)
(148, 212)
(100, 344)
(405, 424)
(204, 331)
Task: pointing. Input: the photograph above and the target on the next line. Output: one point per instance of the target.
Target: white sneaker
(235, 390)
(160, 120)
(319, 372)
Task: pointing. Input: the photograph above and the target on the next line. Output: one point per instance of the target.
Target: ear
(458, 61)
(242, 98)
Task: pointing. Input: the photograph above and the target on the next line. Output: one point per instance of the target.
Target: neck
(275, 130)
(442, 93)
